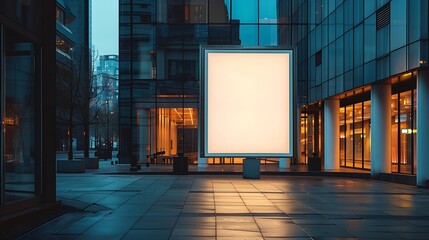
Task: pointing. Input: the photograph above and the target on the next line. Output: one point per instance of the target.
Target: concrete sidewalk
(230, 207)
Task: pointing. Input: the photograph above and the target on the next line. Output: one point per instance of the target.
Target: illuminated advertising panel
(247, 102)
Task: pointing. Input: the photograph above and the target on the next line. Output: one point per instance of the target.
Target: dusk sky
(105, 26)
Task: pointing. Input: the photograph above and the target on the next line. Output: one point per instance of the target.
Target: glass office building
(27, 54)
(159, 67)
(361, 74)
(365, 66)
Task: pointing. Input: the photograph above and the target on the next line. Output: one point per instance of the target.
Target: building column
(332, 134)
(422, 128)
(381, 129)
(284, 163)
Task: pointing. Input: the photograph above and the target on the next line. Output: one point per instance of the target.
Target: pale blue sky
(105, 26)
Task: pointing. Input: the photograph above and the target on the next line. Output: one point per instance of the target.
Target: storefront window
(342, 137)
(366, 134)
(355, 138)
(349, 136)
(403, 132)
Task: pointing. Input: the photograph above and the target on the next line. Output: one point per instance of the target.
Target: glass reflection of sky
(247, 12)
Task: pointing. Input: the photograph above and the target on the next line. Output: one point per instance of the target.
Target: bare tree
(76, 95)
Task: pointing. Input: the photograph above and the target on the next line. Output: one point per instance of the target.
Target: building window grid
(351, 138)
(399, 152)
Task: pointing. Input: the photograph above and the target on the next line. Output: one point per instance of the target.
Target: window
(181, 69)
(318, 58)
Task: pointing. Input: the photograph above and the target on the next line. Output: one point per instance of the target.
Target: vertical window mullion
(353, 135)
(399, 132)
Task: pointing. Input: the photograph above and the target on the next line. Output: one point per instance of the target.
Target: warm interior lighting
(10, 121)
(248, 103)
(192, 117)
(408, 131)
(178, 114)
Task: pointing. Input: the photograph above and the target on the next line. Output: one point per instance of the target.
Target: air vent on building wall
(383, 16)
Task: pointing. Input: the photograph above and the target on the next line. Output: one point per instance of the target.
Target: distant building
(105, 102)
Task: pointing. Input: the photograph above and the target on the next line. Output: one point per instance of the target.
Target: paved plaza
(230, 207)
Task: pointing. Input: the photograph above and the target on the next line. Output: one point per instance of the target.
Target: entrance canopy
(247, 102)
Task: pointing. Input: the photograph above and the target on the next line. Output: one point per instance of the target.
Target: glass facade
(159, 67)
(24, 73)
(355, 138)
(349, 45)
(404, 131)
(19, 117)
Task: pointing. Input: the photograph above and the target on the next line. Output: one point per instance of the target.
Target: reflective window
(339, 26)
(348, 14)
(398, 61)
(398, 24)
(358, 46)
(383, 41)
(403, 132)
(369, 39)
(339, 59)
(355, 143)
(245, 10)
(348, 51)
(349, 136)
(369, 7)
(358, 11)
(19, 118)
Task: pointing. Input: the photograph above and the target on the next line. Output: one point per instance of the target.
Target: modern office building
(365, 68)
(27, 57)
(158, 77)
(73, 74)
(361, 76)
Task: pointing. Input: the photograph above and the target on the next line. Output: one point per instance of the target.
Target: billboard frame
(203, 128)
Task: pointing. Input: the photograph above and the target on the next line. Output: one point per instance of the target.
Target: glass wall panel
(358, 46)
(367, 135)
(395, 121)
(358, 135)
(358, 11)
(369, 72)
(398, 61)
(414, 127)
(339, 29)
(349, 136)
(348, 51)
(398, 24)
(369, 39)
(249, 35)
(19, 118)
(406, 132)
(245, 10)
(348, 14)
(414, 55)
(414, 26)
(369, 7)
(342, 136)
(339, 58)
(268, 35)
(383, 45)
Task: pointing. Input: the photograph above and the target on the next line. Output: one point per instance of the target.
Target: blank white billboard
(248, 103)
